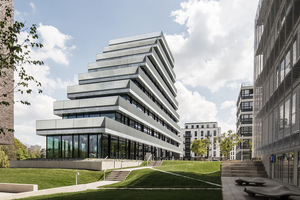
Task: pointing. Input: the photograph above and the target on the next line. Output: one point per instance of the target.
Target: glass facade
(100, 146)
(284, 165)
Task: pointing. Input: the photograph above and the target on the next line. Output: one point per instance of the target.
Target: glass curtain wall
(67, 146)
(93, 148)
(98, 146)
(284, 166)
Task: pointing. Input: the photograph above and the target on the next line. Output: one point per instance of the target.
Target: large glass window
(49, 148)
(92, 146)
(56, 146)
(105, 146)
(76, 146)
(114, 152)
(83, 146)
(123, 148)
(67, 146)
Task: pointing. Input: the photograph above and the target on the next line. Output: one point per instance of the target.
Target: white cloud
(193, 107)
(227, 104)
(32, 6)
(217, 50)
(57, 48)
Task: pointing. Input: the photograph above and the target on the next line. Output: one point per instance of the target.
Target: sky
(211, 41)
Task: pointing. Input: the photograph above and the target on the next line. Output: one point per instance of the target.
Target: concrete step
(155, 163)
(243, 169)
(117, 175)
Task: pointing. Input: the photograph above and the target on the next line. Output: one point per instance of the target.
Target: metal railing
(149, 159)
(108, 168)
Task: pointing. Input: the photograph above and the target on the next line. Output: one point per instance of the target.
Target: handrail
(107, 169)
(148, 159)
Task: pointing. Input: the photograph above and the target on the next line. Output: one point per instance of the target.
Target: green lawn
(204, 170)
(148, 178)
(48, 178)
(144, 178)
(135, 195)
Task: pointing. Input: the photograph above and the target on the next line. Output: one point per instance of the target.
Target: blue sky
(212, 43)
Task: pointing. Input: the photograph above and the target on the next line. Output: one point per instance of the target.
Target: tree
(14, 54)
(227, 141)
(4, 162)
(199, 147)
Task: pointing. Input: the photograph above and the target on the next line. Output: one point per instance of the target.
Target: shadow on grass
(148, 178)
(135, 195)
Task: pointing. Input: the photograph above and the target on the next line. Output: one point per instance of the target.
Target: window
(287, 62)
(197, 126)
(202, 126)
(215, 133)
(192, 126)
(208, 133)
(281, 70)
(281, 119)
(287, 113)
(294, 52)
(207, 126)
(195, 133)
(186, 127)
(293, 120)
(201, 133)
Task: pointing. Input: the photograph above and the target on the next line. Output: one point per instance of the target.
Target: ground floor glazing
(102, 146)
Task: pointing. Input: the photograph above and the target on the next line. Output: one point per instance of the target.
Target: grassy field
(206, 170)
(48, 178)
(135, 195)
(148, 179)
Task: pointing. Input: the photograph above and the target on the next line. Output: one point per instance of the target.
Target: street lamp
(76, 178)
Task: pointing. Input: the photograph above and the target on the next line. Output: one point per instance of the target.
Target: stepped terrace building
(276, 127)
(123, 108)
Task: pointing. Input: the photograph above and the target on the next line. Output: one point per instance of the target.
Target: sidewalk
(232, 191)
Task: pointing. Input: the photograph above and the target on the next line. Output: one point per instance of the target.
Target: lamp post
(76, 178)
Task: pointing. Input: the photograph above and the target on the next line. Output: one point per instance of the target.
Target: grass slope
(204, 170)
(135, 195)
(48, 178)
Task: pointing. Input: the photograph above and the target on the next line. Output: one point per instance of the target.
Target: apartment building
(200, 130)
(244, 119)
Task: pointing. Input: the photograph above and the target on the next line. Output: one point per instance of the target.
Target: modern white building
(200, 130)
(276, 127)
(244, 116)
(124, 106)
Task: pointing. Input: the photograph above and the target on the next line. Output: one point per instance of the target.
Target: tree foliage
(4, 162)
(199, 147)
(16, 151)
(14, 54)
(227, 141)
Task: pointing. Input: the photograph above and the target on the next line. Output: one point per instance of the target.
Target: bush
(4, 162)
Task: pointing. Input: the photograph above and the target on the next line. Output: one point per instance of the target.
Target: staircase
(117, 175)
(155, 163)
(237, 168)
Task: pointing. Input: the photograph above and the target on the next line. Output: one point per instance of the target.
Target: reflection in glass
(76, 146)
(105, 146)
(57, 146)
(92, 146)
(67, 146)
(114, 147)
(122, 148)
(49, 148)
(83, 145)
